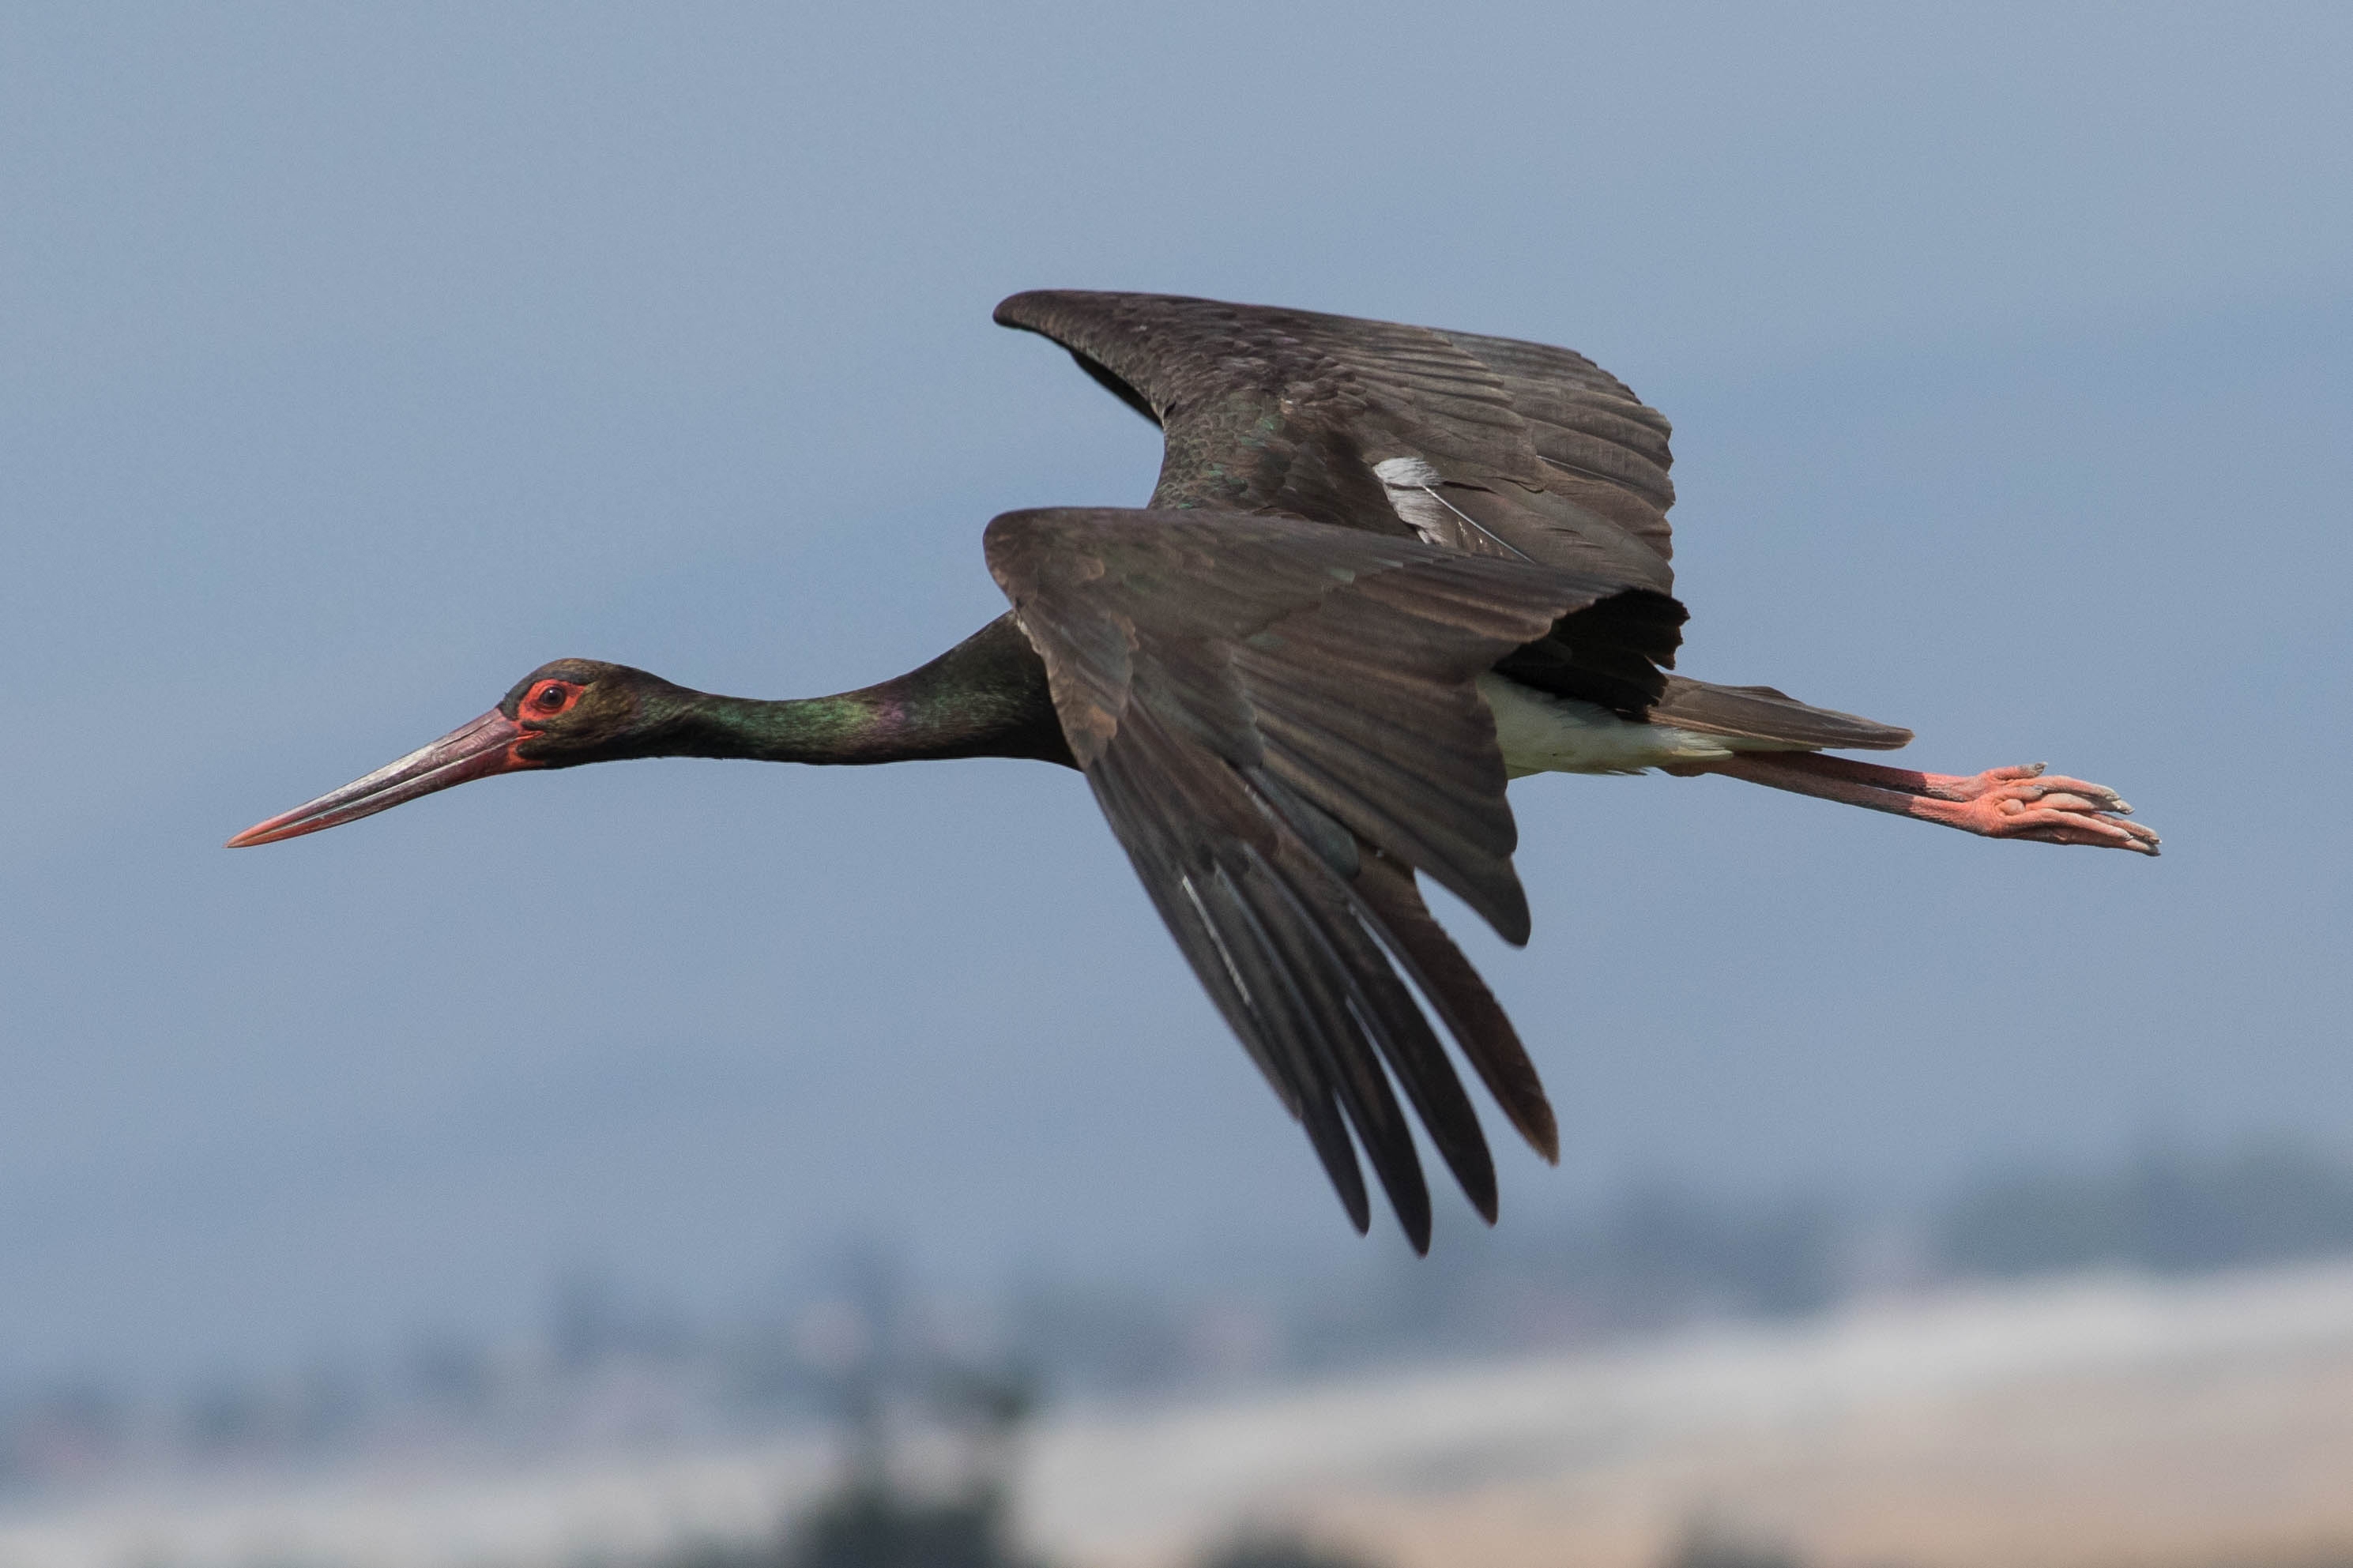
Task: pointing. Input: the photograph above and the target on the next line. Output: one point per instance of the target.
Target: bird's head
(562, 715)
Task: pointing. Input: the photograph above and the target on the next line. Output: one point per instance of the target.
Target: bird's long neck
(985, 696)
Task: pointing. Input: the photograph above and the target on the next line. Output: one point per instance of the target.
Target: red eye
(553, 698)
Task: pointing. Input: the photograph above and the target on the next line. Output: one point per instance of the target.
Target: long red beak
(474, 751)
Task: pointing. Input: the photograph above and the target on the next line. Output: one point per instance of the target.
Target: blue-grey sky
(357, 361)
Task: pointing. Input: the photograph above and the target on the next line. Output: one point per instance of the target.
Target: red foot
(2022, 803)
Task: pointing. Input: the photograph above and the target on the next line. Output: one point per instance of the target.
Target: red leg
(2000, 802)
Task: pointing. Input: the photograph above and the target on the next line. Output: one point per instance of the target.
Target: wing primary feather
(1225, 940)
(1306, 1023)
(1328, 1136)
(1326, 996)
(1309, 991)
(1389, 1015)
(1233, 972)
(1160, 864)
(1477, 1021)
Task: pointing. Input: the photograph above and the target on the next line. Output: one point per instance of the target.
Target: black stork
(1385, 570)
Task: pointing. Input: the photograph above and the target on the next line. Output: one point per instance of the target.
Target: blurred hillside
(1506, 1367)
(2201, 1422)
(615, 1363)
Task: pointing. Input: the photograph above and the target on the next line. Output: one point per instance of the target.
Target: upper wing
(1280, 721)
(1485, 445)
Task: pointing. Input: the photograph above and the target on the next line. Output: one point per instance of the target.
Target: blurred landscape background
(2049, 1366)
(686, 1163)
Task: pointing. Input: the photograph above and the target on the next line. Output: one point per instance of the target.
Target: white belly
(1542, 733)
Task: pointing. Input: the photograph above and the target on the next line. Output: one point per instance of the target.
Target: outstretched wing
(1483, 444)
(1280, 721)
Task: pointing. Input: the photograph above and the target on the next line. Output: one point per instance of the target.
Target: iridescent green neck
(985, 696)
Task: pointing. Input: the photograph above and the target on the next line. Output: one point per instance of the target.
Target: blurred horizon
(616, 1360)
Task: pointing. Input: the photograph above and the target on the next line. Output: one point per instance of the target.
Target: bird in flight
(1385, 570)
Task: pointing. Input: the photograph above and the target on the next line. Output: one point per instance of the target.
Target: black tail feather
(1761, 713)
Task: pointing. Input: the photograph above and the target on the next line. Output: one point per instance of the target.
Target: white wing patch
(1412, 486)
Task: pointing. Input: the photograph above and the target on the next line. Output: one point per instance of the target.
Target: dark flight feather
(1532, 449)
(1471, 1014)
(1279, 721)
(1269, 678)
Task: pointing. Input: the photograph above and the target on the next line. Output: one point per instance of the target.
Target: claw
(2023, 803)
